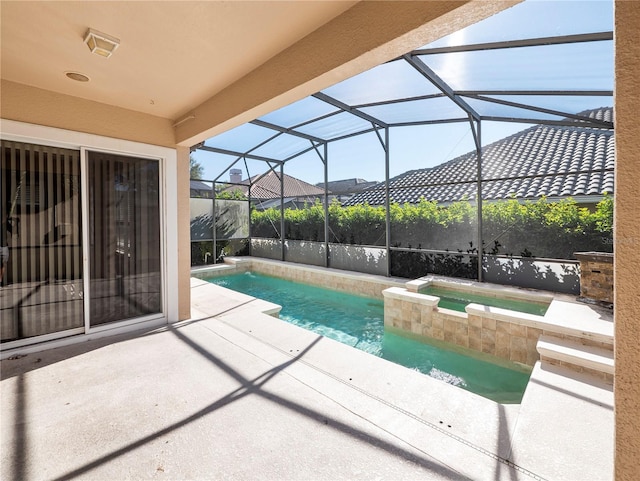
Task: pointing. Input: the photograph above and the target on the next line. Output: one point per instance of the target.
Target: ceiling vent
(101, 43)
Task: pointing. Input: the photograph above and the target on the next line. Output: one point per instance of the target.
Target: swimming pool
(359, 322)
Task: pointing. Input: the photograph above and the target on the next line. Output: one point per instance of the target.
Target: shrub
(529, 229)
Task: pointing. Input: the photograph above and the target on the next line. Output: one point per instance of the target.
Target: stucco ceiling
(172, 55)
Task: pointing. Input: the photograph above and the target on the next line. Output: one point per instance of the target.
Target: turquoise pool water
(359, 322)
(457, 301)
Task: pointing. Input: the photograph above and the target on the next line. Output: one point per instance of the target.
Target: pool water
(451, 299)
(359, 322)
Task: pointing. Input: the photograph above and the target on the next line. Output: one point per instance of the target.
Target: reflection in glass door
(124, 236)
(40, 242)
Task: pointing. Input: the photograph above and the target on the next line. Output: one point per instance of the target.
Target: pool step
(581, 358)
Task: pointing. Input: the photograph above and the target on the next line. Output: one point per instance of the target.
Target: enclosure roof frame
(444, 90)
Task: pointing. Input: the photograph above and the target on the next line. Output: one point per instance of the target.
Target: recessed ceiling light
(80, 77)
(101, 43)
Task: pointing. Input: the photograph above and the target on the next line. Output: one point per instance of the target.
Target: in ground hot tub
(496, 320)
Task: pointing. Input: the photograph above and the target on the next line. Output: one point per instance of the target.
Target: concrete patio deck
(234, 393)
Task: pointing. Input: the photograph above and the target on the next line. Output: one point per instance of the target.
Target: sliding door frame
(86, 268)
(167, 158)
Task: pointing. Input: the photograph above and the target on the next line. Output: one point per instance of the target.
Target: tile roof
(347, 186)
(543, 160)
(200, 185)
(268, 187)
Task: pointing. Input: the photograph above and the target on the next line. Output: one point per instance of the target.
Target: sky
(426, 146)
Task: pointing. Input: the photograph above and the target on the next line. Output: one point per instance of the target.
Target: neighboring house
(200, 189)
(344, 189)
(265, 190)
(545, 160)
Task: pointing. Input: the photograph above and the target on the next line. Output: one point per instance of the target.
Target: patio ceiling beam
(248, 152)
(264, 142)
(195, 147)
(398, 101)
(543, 110)
(285, 130)
(302, 152)
(238, 154)
(383, 143)
(315, 119)
(564, 123)
(315, 147)
(429, 122)
(475, 131)
(396, 124)
(347, 108)
(529, 42)
(354, 134)
(435, 79)
(579, 93)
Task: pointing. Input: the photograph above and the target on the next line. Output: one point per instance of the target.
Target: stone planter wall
(596, 276)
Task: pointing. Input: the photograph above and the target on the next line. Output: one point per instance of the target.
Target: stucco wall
(184, 238)
(43, 107)
(627, 240)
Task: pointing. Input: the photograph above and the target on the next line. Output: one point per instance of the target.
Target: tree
(195, 169)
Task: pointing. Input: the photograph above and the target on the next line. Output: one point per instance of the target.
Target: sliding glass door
(41, 289)
(124, 237)
(70, 262)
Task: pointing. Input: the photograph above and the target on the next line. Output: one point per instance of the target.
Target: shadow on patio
(113, 410)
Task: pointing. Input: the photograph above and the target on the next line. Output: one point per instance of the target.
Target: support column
(282, 212)
(387, 203)
(183, 234)
(249, 200)
(326, 205)
(479, 197)
(215, 221)
(626, 260)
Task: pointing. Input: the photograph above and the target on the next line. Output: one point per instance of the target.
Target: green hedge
(529, 229)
